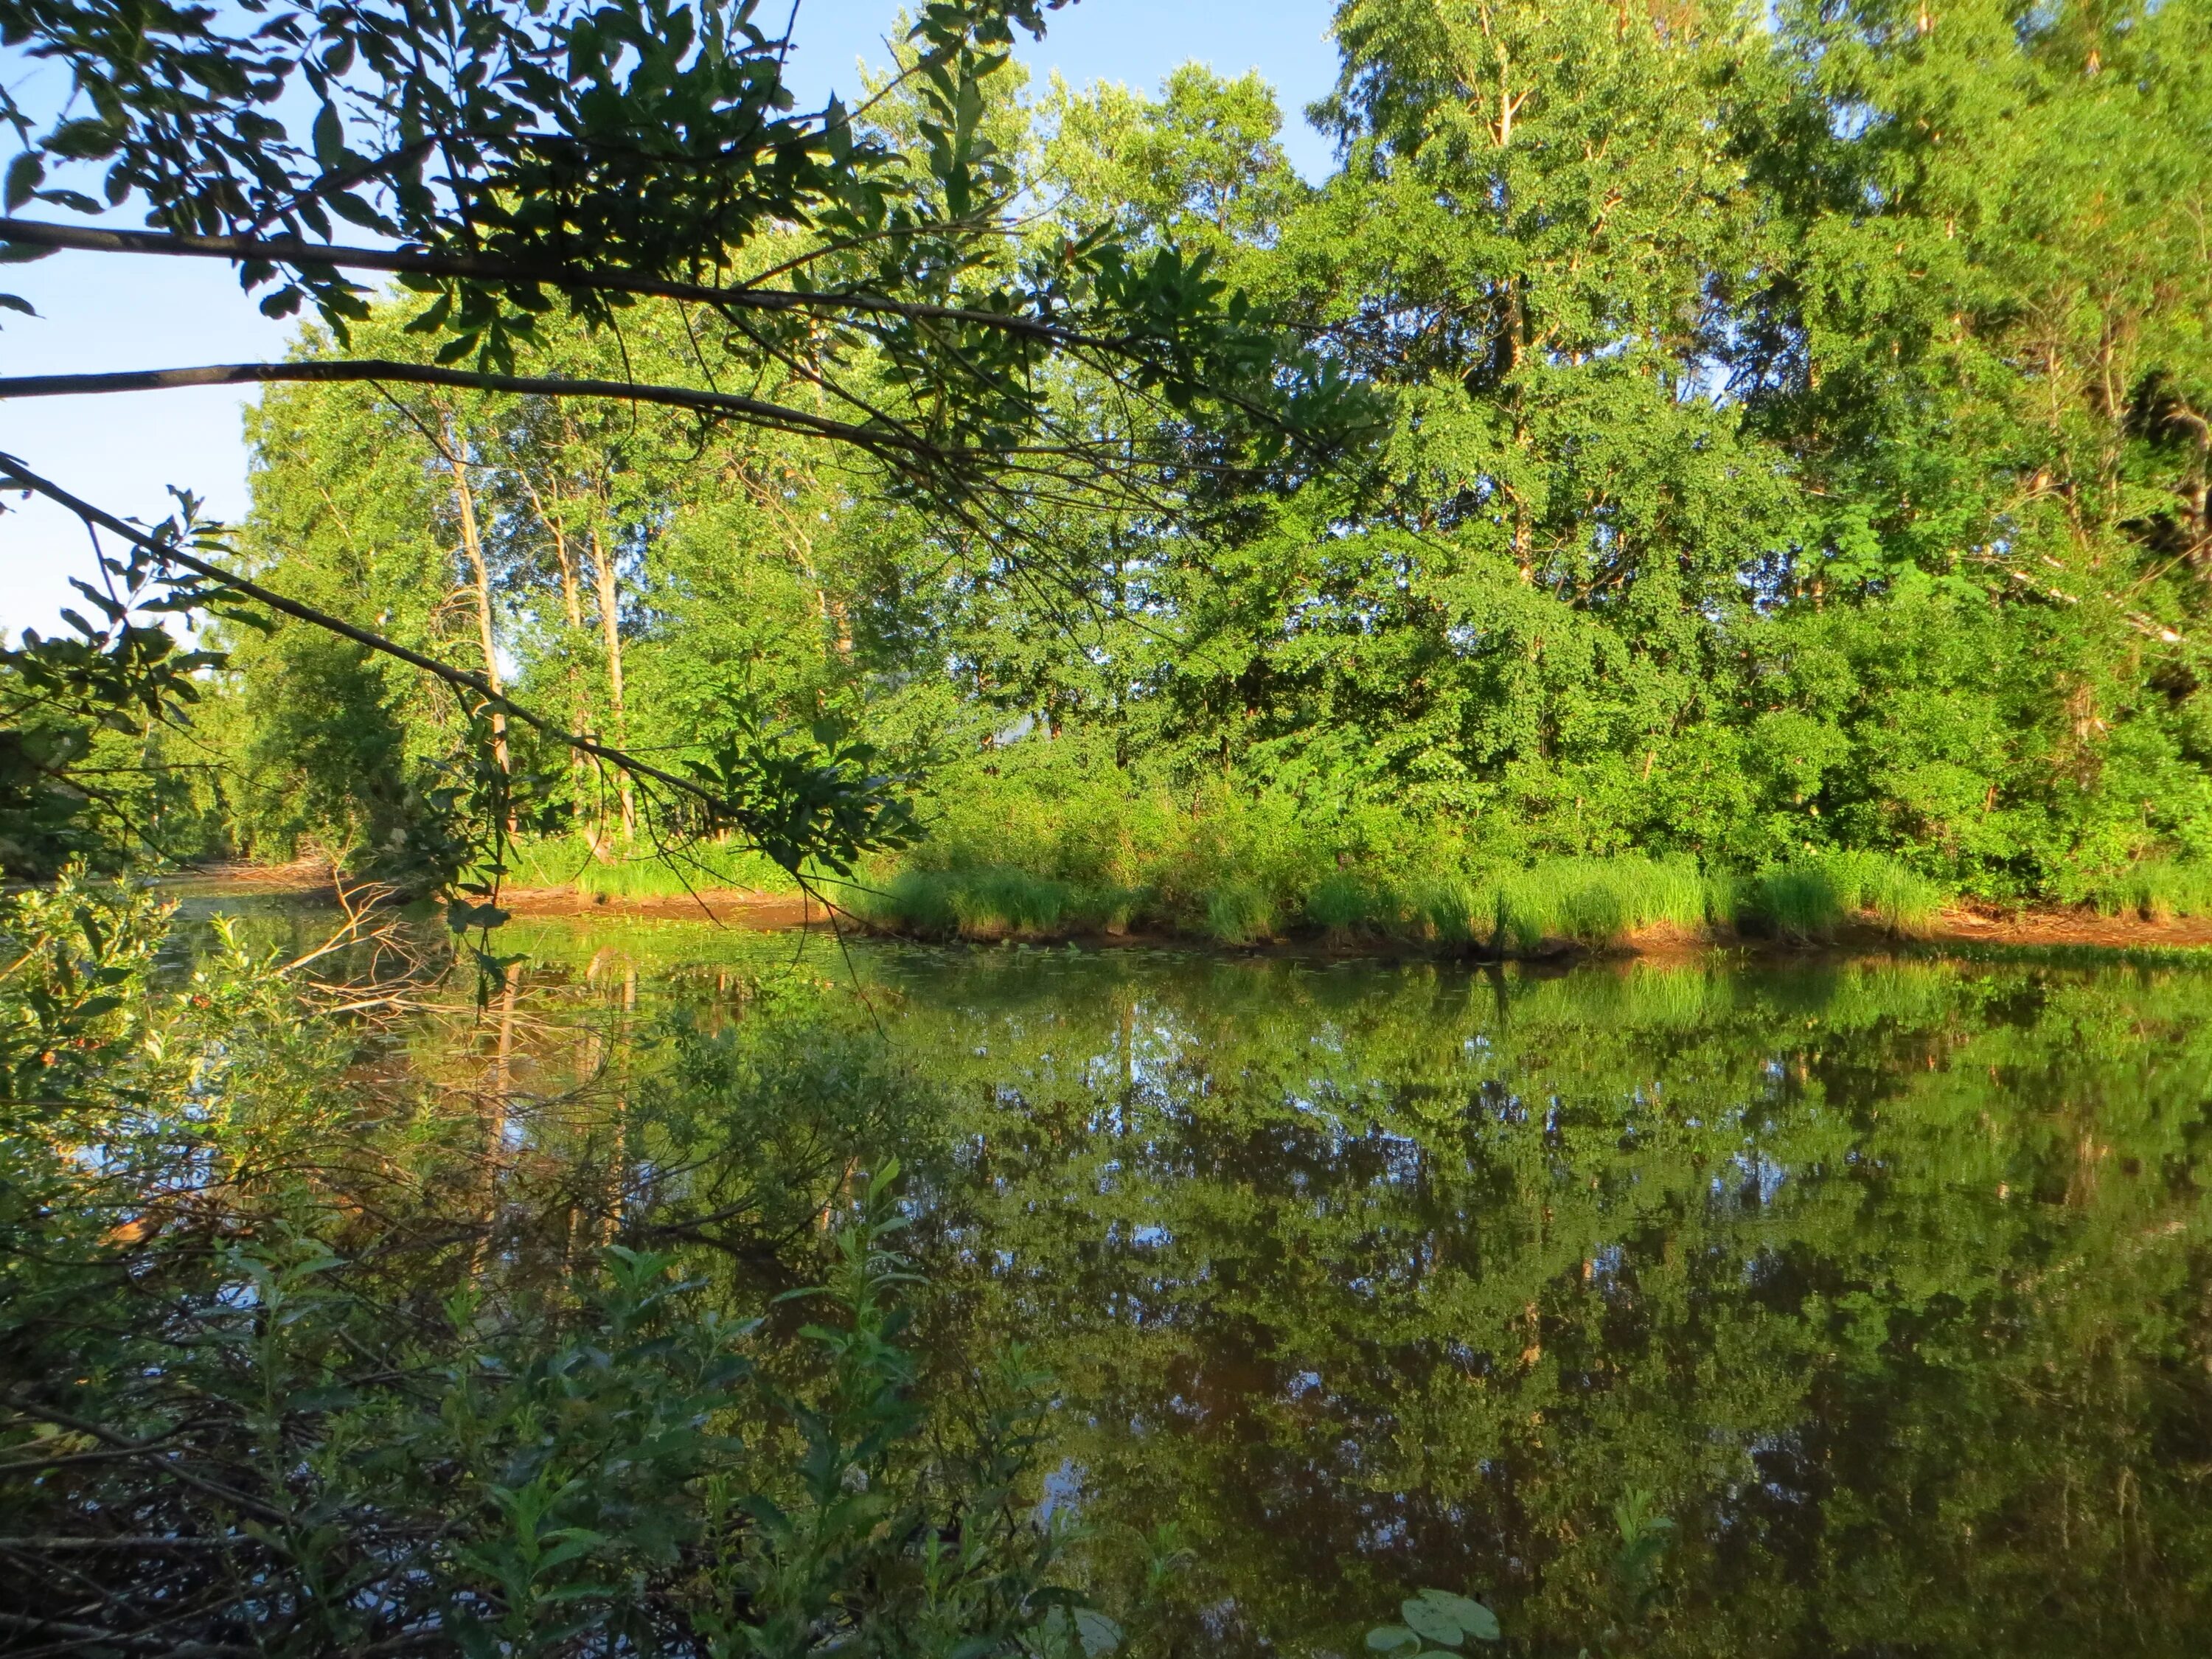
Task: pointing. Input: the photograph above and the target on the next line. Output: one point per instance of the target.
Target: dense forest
(1785, 438)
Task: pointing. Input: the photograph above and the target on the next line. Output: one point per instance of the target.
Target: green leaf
(1392, 1638)
(1467, 1616)
(1431, 1621)
(461, 915)
(84, 140)
(329, 139)
(25, 174)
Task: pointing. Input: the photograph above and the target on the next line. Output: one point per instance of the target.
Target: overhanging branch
(318, 256)
(13, 473)
(328, 370)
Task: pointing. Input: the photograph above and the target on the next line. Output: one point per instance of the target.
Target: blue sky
(109, 312)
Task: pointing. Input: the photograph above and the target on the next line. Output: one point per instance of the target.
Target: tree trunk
(472, 545)
(610, 596)
(572, 611)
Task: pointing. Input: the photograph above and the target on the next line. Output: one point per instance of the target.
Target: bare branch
(125, 1639)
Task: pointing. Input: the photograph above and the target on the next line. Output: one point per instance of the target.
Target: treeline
(1792, 437)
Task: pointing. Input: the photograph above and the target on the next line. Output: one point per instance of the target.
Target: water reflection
(1887, 1280)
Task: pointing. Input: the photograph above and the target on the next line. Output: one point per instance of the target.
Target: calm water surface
(1890, 1281)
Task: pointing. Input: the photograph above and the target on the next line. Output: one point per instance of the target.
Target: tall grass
(1239, 913)
(993, 902)
(2157, 890)
(1589, 901)
(1810, 898)
(1250, 878)
(1596, 900)
(639, 873)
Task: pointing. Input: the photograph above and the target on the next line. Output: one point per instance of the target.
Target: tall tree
(514, 160)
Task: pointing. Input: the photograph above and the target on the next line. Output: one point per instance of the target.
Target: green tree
(531, 162)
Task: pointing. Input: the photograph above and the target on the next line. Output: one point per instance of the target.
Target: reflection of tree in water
(1883, 1276)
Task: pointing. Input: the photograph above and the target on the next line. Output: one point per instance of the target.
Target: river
(1884, 1282)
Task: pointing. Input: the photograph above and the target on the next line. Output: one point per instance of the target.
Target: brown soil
(311, 877)
(2037, 929)
(2068, 927)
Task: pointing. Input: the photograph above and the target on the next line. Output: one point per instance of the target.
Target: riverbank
(1954, 927)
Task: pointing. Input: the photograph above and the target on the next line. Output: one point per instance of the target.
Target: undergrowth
(1040, 848)
(1589, 901)
(1052, 857)
(639, 870)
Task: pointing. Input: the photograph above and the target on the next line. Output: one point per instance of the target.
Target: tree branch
(290, 250)
(125, 1639)
(125, 1542)
(15, 472)
(330, 370)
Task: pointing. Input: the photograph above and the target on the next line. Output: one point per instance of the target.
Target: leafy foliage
(215, 1377)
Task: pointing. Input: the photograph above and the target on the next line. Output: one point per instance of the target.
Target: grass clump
(1809, 898)
(1592, 901)
(1448, 910)
(2157, 890)
(1240, 913)
(992, 902)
